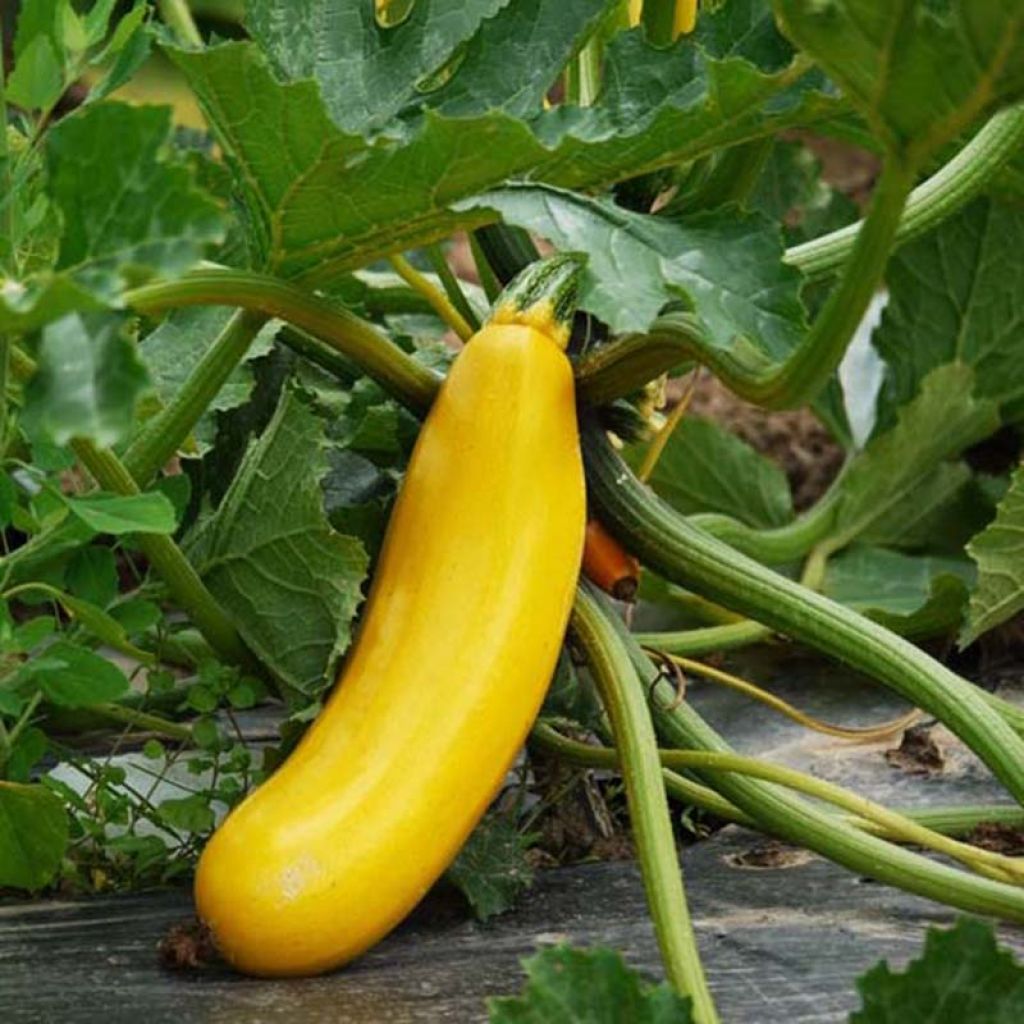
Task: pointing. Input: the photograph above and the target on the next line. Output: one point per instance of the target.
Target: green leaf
(172, 351)
(790, 190)
(963, 976)
(892, 469)
(136, 616)
(915, 596)
(491, 870)
(727, 267)
(38, 77)
(92, 575)
(291, 584)
(74, 677)
(743, 28)
(921, 71)
(999, 553)
(116, 514)
(40, 19)
(366, 72)
(588, 987)
(87, 383)
(571, 695)
(658, 108)
(933, 514)
(33, 835)
(128, 214)
(128, 50)
(956, 295)
(97, 19)
(704, 468)
(515, 57)
(188, 813)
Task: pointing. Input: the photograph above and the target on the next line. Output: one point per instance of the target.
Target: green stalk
(164, 434)
(614, 370)
(410, 382)
(892, 824)
(648, 807)
(164, 555)
(953, 821)
(935, 199)
(797, 821)
(707, 639)
(490, 284)
(330, 359)
(680, 788)
(682, 553)
(506, 249)
(144, 721)
(782, 544)
(179, 20)
(437, 299)
(450, 283)
(658, 19)
(183, 582)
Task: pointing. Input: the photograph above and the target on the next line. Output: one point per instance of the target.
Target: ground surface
(783, 934)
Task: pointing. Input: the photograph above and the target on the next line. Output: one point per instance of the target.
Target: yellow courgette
(459, 640)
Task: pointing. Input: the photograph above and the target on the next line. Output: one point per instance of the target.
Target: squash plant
(217, 342)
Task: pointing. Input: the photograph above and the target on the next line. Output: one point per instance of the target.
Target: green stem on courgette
(451, 285)
(170, 563)
(946, 191)
(707, 639)
(163, 435)
(684, 554)
(437, 299)
(411, 382)
(613, 370)
(179, 20)
(648, 807)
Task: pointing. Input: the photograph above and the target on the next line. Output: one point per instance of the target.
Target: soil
(796, 441)
(918, 753)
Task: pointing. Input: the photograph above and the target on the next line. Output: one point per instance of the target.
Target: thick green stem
(707, 639)
(952, 821)
(648, 807)
(169, 561)
(178, 18)
(676, 549)
(437, 299)
(935, 199)
(777, 546)
(451, 285)
(614, 370)
(411, 382)
(164, 555)
(892, 824)
(164, 434)
(797, 821)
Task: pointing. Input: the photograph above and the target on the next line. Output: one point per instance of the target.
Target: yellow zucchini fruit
(459, 639)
